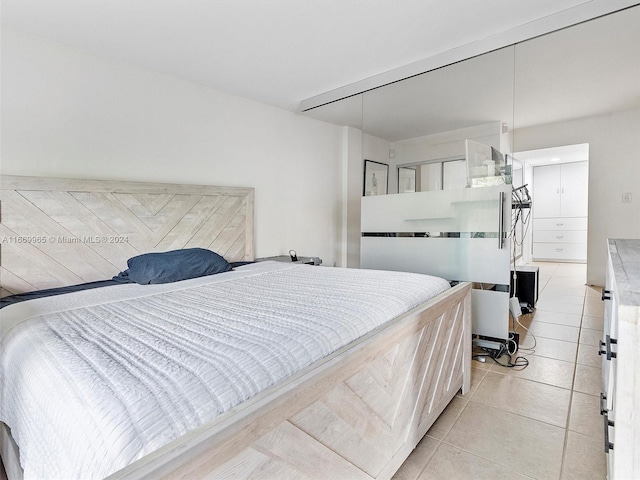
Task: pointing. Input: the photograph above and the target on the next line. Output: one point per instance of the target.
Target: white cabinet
(546, 191)
(561, 190)
(620, 400)
(560, 205)
(574, 189)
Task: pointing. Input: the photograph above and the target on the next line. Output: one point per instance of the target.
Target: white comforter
(94, 380)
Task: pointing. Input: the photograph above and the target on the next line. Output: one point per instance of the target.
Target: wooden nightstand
(287, 259)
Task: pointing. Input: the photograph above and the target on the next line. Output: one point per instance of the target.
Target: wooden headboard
(56, 231)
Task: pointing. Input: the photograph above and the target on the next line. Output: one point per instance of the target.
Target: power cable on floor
(519, 363)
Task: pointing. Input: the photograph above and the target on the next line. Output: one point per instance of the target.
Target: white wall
(614, 168)
(66, 113)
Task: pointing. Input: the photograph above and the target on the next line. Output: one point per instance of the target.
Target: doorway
(558, 178)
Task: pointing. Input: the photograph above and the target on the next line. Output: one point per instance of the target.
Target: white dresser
(560, 205)
(620, 350)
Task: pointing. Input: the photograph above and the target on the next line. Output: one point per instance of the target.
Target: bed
(351, 409)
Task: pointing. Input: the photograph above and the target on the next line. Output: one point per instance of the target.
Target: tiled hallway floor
(542, 422)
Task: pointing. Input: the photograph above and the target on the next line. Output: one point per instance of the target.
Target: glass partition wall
(452, 219)
(542, 93)
(421, 123)
(580, 86)
(577, 87)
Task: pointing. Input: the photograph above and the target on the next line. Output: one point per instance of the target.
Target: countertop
(625, 257)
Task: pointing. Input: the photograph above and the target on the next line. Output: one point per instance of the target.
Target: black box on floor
(526, 284)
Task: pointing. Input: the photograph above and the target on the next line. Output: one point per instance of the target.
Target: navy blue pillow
(173, 266)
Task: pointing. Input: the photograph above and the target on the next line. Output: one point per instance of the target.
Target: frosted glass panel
(455, 234)
(462, 259)
(463, 210)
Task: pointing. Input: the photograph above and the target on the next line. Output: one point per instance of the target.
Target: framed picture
(406, 179)
(376, 178)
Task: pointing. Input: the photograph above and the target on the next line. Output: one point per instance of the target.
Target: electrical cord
(535, 342)
(519, 363)
(518, 216)
(521, 201)
(512, 345)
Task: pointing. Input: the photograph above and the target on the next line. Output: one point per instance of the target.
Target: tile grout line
(519, 414)
(474, 455)
(424, 467)
(444, 442)
(564, 460)
(575, 370)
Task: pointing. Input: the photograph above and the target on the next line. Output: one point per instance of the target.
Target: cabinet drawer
(558, 236)
(558, 223)
(560, 251)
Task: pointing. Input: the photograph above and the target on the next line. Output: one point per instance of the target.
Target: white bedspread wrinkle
(90, 389)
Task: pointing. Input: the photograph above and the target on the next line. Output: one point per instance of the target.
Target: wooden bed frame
(356, 414)
(57, 232)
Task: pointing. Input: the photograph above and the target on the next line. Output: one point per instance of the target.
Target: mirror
(577, 90)
(579, 85)
(421, 123)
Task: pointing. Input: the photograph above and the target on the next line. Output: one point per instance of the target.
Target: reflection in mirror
(376, 178)
(345, 112)
(521, 208)
(436, 175)
(451, 127)
(485, 166)
(575, 86)
(422, 122)
(454, 174)
(581, 85)
(517, 172)
(407, 179)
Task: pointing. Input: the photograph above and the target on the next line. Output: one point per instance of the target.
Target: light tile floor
(542, 422)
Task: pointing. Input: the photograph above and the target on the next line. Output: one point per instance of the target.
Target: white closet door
(574, 189)
(546, 191)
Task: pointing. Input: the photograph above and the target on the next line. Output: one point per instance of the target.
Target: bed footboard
(356, 415)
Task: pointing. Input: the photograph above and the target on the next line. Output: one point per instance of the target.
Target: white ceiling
(282, 52)
(278, 52)
(548, 156)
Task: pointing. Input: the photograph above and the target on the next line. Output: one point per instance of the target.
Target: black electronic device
(293, 255)
(526, 286)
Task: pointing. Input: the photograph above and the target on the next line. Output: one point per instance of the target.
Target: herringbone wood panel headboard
(57, 232)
